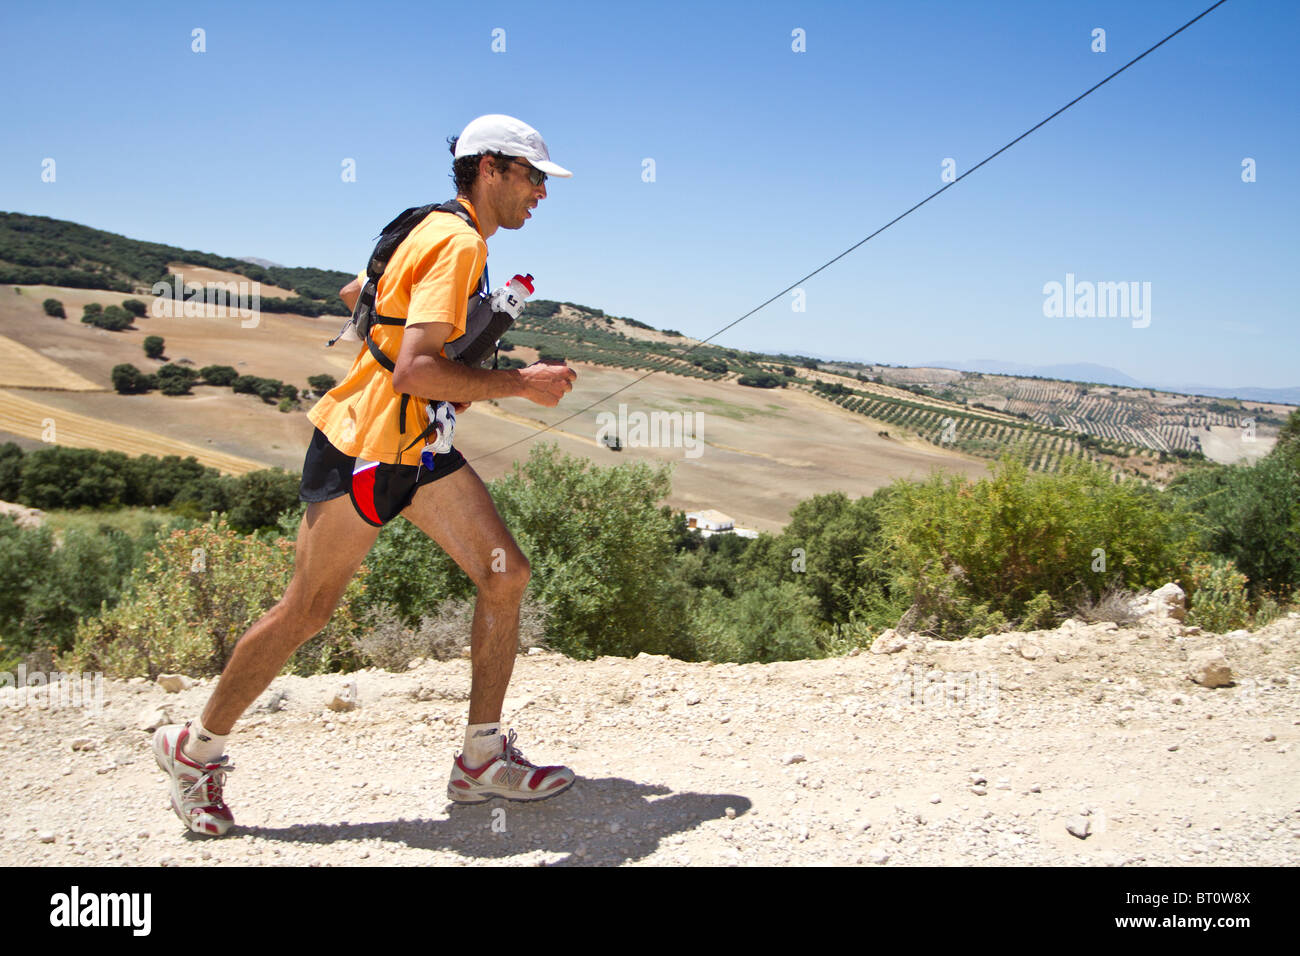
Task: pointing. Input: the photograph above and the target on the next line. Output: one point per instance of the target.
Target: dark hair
(464, 171)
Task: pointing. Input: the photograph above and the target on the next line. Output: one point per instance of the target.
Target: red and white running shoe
(509, 775)
(195, 788)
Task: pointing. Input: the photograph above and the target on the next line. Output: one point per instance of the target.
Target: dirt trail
(981, 751)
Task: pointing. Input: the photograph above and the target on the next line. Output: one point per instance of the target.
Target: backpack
(484, 325)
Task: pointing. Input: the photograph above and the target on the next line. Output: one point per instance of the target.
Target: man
(500, 168)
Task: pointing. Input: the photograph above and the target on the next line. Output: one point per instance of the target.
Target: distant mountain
(1076, 372)
(1102, 374)
(264, 263)
(1282, 396)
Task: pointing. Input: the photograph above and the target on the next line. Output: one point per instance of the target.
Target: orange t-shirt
(429, 278)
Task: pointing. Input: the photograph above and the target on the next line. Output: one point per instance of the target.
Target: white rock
(791, 758)
(45, 836)
(888, 642)
(878, 856)
(534, 651)
(1080, 827)
(151, 718)
(174, 683)
(81, 743)
(1030, 651)
(730, 813)
(1210, 669)
(345, 699)
(1167, 603)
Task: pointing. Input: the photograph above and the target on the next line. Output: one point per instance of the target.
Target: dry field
(202, 274)
(763, 451)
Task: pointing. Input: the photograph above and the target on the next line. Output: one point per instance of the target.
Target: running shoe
(195, 788)
(509, 775)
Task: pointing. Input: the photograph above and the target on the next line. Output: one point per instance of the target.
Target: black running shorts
(379, 491)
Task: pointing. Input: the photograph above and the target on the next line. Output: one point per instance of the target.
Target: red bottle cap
(525, 281)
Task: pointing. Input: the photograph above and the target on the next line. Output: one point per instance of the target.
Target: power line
(900, 216)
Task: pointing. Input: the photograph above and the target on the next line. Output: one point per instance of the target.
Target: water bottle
(443, 416)
(510, 297)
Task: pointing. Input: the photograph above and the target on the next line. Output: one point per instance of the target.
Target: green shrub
(53, 307)
(175, 379)
(952, 547)
(258, 498)
(114, 318)
(11, 471)
(320, 384)
(600, 551)
(49, 587)
(770, 623)
(267, 389)
(820, 550)
(153, 346)
(220, 375)
(1218, 596)
(1040, 613)
(65, 477)
(135, 307)
(192, 598)
(1250, 514)
(129, 380)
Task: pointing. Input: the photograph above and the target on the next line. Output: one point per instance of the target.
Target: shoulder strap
(390, 238)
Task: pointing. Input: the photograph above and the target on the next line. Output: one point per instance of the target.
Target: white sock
(202, 745)
(482, 743)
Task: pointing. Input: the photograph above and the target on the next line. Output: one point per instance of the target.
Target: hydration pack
(484, 325)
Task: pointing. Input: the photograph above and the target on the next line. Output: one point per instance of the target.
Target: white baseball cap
(498, 133)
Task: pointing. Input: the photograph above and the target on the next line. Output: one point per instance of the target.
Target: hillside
(38, 250)
(810, 427)
(763, 450)
(1082, 746)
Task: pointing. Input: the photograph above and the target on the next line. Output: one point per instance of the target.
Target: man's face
(516, 195)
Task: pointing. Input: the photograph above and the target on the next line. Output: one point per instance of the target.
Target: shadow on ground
(600, 821)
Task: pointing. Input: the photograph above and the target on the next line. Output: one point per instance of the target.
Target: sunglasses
(535, 175)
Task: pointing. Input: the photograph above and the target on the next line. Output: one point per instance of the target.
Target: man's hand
(461, 406)
(546, 384)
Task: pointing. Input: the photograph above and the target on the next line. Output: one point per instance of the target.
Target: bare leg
(332, 543)
(457, 512)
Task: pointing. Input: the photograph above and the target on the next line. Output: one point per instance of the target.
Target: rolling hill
(749, 434)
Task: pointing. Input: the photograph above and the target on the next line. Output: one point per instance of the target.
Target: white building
(709, 522)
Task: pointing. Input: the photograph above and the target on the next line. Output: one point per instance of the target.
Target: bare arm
(349, 294)
(421, 370)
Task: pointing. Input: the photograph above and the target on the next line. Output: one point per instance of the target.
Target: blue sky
(768, 162)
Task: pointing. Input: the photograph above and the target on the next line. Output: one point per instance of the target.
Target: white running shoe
(509, 775)
(195, 788)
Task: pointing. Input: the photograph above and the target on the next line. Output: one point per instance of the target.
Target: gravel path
(1087, 745)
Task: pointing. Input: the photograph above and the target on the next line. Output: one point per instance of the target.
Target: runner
(363, 469)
